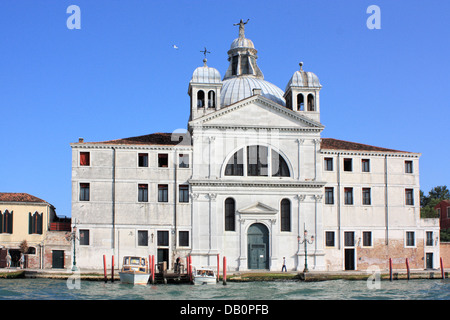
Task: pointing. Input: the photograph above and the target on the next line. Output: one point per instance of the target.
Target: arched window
(211, 99)
(300, 102)
(279, 165)
(256, 161)
(6, 222)
(311, 106)
(35, 223)
(285, 212)
(235, 166)
(200, 99)
(230, 209)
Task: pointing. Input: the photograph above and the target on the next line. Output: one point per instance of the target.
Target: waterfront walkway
(233, 276)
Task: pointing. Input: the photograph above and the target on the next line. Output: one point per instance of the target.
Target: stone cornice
(131, 146)
(370, 153)
(258, 184)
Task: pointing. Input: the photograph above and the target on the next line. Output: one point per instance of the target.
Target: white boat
(135, 270)
(204, 276)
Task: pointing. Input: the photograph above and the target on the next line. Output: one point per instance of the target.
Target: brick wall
(445, 254)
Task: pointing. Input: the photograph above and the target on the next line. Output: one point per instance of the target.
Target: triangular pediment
(257, 112)
(258, 208)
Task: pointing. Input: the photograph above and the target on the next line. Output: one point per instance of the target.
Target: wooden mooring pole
(112, 269)
(224, 271)
(104, 267)
(390, 269)
(218, 267)
(442, 269)
(153, 269)
(407, 268)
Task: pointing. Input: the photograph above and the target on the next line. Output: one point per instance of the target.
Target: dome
(206, 74)
(238, 88)
(242, 43)
(303, 79)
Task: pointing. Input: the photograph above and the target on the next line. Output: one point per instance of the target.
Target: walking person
(8, 260)
(21, 260)
(284, 265)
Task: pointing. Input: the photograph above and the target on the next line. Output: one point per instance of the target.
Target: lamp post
(305, 241)
(73, 237)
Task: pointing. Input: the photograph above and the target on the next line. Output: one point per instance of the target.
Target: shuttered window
(35, 223)
(6, 222)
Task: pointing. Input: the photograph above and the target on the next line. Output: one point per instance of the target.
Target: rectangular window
(142, 238)
(183, 191)
(448, 212)
(408, 166)
(410, 239)
(328, 164)
(163, 160)
(409, 197)
(163, 238)
(143, 192)
(183, 161)
(438, 212)
(329, 238)
(84, 191)
(365, 165)
(367, 238)
(349, 239)
(85, 159)
(143, 160)
(329, 195)
(366, 196)
(183, 238)
(348, 165)
(348, 195)
(429, 238)
(84, 237)
(163, 193)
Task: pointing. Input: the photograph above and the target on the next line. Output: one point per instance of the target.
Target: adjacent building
(30, 225)
(251, 179)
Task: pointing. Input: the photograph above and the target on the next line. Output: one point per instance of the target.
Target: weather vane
(205, 52)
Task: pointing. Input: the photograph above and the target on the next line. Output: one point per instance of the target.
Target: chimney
(80, 140)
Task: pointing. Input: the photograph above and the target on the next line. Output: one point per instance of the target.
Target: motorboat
(204, 276)
(135, 270)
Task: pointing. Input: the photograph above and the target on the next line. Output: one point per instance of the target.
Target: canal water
(46, 289)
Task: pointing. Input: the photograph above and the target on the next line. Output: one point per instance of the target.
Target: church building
(251, 180)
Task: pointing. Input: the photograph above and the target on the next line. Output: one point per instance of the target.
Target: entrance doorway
(349, 259)
(258, 246)
(429, 260)
(58, 259)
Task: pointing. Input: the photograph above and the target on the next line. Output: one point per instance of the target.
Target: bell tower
(302, 94)
(204, 90)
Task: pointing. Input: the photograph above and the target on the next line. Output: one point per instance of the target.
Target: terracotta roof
(334, 144)
(19, 197)
(149, 139)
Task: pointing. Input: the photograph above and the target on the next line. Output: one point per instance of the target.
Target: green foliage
(427, 203)
(445, 235)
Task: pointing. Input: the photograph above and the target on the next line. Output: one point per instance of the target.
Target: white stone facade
(258, 175)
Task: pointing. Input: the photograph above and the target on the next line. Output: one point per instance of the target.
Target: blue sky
(119, 76)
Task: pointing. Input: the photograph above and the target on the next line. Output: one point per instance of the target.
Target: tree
(427, 203)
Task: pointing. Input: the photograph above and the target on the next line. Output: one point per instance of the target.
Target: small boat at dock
(204, 276)
(135, 270)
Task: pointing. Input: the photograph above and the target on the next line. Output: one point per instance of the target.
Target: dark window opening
(84, 237)
(163, 160)
(35, 223)
(229, 214)
(200, 99)
(366, 196)
(183, 193)
(235, 166)
(85, 158)
(311, 106)
(143, 160)
(329, 238)
(348, 165)
(279, 166)
(300, 102)
(348, 195)
(285, 215)
(257, 161)
(328, 164)
(329, 195)
(163, 238)
(142, 238)
(6, 222)
(365, 164)
(183, 238)
(84, 191)
(143, 192)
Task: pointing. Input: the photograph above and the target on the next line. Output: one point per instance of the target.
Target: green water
(44, 289)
